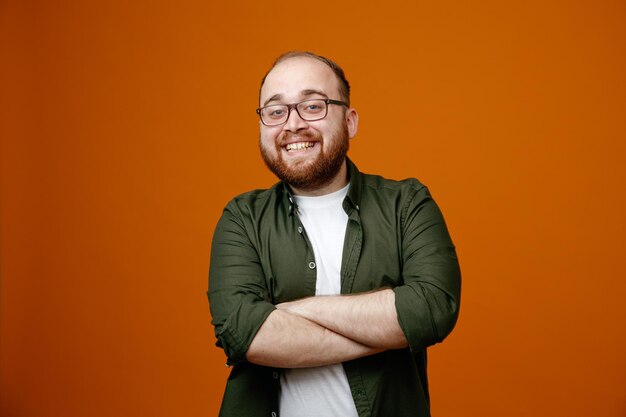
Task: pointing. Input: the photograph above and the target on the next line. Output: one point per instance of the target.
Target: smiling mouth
(297, 146)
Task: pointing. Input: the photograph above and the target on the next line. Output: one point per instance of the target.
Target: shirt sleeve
(428, 303)
(238, 296)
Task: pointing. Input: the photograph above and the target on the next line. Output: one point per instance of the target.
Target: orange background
(126, 128)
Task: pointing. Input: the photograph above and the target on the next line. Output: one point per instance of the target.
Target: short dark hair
(344, 85)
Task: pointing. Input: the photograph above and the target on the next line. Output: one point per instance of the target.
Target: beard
(309, 175)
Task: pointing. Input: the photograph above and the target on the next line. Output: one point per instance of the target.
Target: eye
(313, 106)
(275, 112)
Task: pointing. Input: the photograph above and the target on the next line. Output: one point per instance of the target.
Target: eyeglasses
(309, 110)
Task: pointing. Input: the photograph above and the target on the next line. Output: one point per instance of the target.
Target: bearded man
(326, 289)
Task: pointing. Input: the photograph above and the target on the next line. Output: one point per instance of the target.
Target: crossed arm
(324, 330)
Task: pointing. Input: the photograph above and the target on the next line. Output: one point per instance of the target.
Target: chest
(370, 256)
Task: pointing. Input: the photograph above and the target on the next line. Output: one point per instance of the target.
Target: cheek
(331, 136)
(265, 137)
(268, 139)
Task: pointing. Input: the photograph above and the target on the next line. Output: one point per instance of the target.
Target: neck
(337, 183)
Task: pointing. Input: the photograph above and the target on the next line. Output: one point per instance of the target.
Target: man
(326, 289)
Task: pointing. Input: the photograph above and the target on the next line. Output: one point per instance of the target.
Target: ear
(352, 121)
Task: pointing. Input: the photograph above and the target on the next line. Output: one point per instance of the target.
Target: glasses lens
(312, 109)
(274, 115)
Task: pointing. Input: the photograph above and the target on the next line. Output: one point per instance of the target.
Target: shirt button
(273, 413)
(275, 375)
(299, 229)
(312, 265)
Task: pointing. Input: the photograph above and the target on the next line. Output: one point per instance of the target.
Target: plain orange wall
(127, 126)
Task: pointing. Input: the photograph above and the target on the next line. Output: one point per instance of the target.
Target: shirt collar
(356, 184)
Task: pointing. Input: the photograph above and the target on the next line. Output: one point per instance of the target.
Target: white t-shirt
(321, 391)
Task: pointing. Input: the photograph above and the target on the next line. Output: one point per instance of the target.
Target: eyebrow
(310, 92)
(303, 93)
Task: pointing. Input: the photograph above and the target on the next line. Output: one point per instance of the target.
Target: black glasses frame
(295, 106)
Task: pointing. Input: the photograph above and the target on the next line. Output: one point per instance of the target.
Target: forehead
(290, 78)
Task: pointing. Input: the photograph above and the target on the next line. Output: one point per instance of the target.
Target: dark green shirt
(396, 237)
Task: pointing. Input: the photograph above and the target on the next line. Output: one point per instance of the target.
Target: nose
(294, 121)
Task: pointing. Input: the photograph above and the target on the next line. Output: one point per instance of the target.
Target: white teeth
(299, 145)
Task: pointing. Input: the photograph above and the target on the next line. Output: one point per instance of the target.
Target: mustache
(287, 137)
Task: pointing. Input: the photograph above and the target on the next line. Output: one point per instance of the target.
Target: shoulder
(408, 202)
(405, 190)
(256, 196)
(383, 199)
(255, 201)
